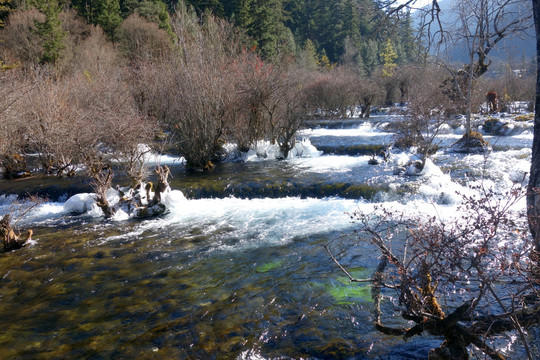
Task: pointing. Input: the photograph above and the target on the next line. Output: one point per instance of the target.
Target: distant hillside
(512, 49)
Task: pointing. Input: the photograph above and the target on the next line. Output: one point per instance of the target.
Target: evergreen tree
(388, 59)
(351, 56)
(50, 30)
(5, 9)
(265, 28)
(370, 55)
(202, 6)
(310, 54)
(239, 11)
(409, 44)
(109, 17)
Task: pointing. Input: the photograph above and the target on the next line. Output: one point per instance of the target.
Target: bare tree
(533, 193)
(191, 93)
(367, 91)
(258, 93)
(483, 25)
(293, 111)
(428, 110)
(465, 279)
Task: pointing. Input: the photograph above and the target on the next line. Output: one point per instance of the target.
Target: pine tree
(369, 52)
(109, 17)
(352, 57)
(239, 11)
(50, 30)
(265, 28)
(388, 59)
(202, 6)
(311, 57)
(5, 9)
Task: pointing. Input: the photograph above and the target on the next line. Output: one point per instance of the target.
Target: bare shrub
(510, 86)
(191, 93)
(87, 49)
(330, 91)
(19, 41)
(256, 87)
(13, 128)
(464, 279)
(367, 92)
(428, 110)
(143, 40)
(51, 117)
(293, 111)
(262, 102)
(269, 103)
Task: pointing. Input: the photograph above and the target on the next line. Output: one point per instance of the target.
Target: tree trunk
(533, 193)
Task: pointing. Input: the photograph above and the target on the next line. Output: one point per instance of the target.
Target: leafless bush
(428, 110)
(269, 103)
(19, 42)
(50, 119)
(510, 86)
(464, 279)
(13, 128)
(331, 91)
(87, 48)
(294, 111)
(143, 40)
(191, 93)
(367, 92)
(258, 87)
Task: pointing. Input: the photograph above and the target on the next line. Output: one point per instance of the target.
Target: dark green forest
(339, 30)
(336, 28)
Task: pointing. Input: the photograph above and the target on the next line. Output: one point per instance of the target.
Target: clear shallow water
(226, 277)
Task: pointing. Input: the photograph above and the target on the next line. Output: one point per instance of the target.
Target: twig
(351, 278)
(514, 320)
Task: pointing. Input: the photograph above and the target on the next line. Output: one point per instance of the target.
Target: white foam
(253, 223)
(265, 150)
(330, 163)
(80, 203)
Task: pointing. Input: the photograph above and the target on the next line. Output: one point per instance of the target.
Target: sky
(419, 3)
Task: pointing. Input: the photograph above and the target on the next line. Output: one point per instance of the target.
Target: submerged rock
(497, 127)
(150, 211)
(374, 161)
(398, 170)
(415, 168)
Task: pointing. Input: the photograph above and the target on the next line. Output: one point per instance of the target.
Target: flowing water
(237, 268)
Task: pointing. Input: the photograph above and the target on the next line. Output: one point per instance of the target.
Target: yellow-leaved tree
(388, 57)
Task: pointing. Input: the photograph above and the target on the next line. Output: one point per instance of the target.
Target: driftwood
(162, 185)
(10, 239)
(155, 206)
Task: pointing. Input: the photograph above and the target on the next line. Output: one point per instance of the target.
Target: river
(237, 268)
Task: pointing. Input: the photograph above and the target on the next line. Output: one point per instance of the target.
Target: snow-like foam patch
(330, 163)
(264, 150)
(240, 223)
